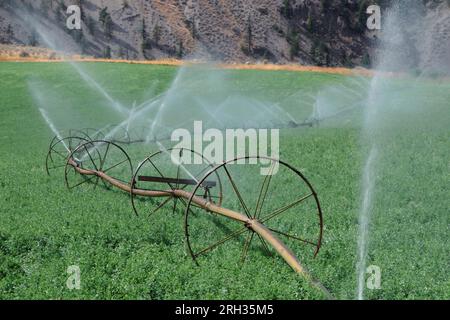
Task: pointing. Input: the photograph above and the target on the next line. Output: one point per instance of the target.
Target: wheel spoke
(95, 166)
(95, 176)
(264, 245)
(285, 208)
(114, 166)
(162, 204)
(227, 238)
(160, 173)
(177, 185)
(102, 163)
(293, 237)
(263, 191)
(83, 182)
(58, 153)
(92, 148)
(247, 212)
(183, 201)
(247, 245)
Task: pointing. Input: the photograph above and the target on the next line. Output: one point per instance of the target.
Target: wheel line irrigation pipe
(252, 224)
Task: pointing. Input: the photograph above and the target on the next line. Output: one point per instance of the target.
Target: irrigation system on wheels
(221, 202)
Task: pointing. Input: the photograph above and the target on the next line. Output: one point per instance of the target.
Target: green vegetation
(9, 34)
(33, 39)
(293, 38)
(157, 34)
(107, 52)
(286, 9)
(320, 53)
(90, 24)
(107, 23)
(44, 228)
(249, 37)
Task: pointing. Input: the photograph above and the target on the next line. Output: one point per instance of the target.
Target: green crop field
(44, 228)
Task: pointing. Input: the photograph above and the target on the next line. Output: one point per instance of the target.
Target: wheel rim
(59, 150)
(236, 230)
(101, 156)
(179, 171)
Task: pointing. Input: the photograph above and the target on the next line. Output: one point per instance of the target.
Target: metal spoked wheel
(263, 189)
(59, 150)
(94, 157)
(68, 133)
(173, 169)
(67, 141)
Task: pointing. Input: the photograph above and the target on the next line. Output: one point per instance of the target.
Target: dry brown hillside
(313, 32)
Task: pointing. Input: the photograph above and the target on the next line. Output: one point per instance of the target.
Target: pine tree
(121, 53)
(59, 11)
(102, 15)
(157, 34)
(90, 24)
(107, 52)
(295, 47)
(9, 34)
(106, 21)
(33, 39)
(144, 31)
(194, 29)
(180, 49)
(146, 43)
(108, 27)
(249, 36)
(309, 24)
(286, 9)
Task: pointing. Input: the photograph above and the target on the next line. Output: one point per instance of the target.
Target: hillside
(313, 32)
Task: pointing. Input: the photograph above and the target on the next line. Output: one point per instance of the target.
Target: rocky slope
(320, 32)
